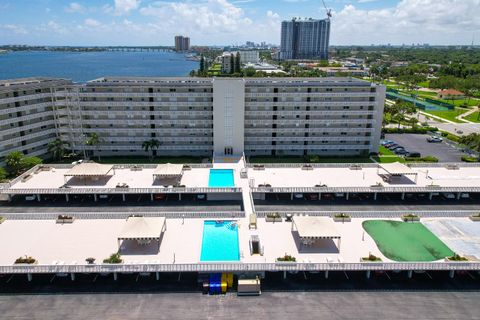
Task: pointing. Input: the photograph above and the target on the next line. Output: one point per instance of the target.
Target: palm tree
(57, 148)
(151, 144)
(93, 140)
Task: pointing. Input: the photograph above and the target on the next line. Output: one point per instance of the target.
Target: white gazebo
(311, 229)
(143, 230)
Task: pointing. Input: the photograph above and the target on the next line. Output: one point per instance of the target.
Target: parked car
(312, 196)
(298, 195)
(394, 146)
(448, 195)
(31, 198)
(434, 139)
(201, 196)
(401, 152)
(414, 154)
(384, 142)
(388, 145)
(464, 196)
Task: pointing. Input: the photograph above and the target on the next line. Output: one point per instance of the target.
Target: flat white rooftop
(366, 177)
(55, 178)
(69, 244)
(425, 178)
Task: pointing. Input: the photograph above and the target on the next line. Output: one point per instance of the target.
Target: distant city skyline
(233, 22)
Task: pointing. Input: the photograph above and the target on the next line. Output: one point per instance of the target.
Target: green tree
(232, 64)
(202, 64)
(17, 162)
(14, 162)
(93, 140)
(238, 67)
(472, 141)
(57, 148)
(30, 162)
(3, 174)
(152, 144)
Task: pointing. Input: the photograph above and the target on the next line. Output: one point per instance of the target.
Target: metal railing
(426, 189)
(376, 213)
(210, 214)
(314, 165)
(237, 267)
(119, 191)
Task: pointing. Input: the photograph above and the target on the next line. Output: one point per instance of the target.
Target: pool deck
(68, 244)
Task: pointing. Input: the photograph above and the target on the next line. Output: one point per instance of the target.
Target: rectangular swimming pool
(220, 241)
(221, 178)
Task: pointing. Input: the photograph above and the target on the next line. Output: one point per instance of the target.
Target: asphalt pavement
(271, 305)
(419, 143)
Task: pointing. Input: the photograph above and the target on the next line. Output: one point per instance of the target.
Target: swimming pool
(221, 178)
(220, 241)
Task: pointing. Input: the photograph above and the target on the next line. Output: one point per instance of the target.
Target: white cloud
(123, 7)
(424, 21)
(92, 23)
(14, 28)
(75, 7)
(210, 16)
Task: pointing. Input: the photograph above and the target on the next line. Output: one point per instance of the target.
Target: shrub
(469, 159)
(287, 258)
(273, 215)
(423, 159)
(114, 258)
(457, 257)
(419, 130)
(371, 257)
(26, 259)
(90, 260)
(342, 216)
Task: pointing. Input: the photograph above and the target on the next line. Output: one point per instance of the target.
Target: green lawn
(389, 159)
(406, 241)
(386, 152)
(448, 114)
(474, 117)
(266, 159)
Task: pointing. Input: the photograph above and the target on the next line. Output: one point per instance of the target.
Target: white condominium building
(200, 116)
(27, 122)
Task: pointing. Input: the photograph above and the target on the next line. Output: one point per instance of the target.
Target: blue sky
(224, 22)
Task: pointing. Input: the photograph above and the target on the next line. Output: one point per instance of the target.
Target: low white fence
(238, 267)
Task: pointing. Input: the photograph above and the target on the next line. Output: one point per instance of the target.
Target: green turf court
(406, 241)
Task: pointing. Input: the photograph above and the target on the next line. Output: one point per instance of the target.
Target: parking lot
(344, 295)
(419, 143)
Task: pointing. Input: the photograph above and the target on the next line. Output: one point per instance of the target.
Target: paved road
(453, 128)
(419, 143)
(271, 305)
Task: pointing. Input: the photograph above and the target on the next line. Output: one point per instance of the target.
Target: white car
(434, 139)
(31, 198)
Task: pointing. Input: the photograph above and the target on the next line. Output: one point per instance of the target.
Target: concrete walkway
(466, 114)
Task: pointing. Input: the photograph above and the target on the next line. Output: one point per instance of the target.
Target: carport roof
(136, 228)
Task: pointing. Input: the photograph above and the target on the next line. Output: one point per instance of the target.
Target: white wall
(228, 115)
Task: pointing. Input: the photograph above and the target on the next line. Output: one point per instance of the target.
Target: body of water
(85, 66)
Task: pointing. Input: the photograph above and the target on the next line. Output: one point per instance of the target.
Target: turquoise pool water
(220, 241)
(221, 178)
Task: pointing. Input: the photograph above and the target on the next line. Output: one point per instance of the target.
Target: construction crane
(329, 11)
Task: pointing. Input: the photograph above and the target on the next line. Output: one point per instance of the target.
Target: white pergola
(90, 170)
(397, 169)
(143, 230)
(312, 228)
(168, 170)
